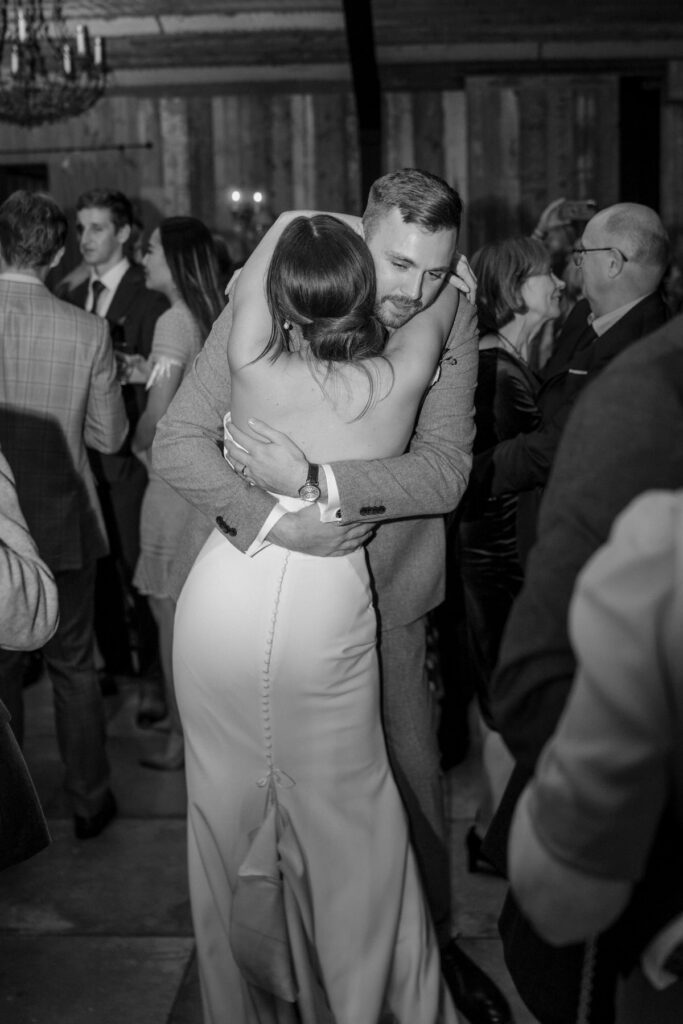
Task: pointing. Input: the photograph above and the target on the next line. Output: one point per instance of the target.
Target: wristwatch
(311, 489)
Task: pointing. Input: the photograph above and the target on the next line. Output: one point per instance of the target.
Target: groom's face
(410, 264)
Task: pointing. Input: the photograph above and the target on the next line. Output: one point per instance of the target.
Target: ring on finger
(243, 470)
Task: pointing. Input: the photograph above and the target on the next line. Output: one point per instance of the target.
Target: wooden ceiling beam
(170, 25)
(210, 50)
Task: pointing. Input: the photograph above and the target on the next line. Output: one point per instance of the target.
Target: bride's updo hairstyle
(322, 279)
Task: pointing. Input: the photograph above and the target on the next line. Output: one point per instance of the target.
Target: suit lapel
(123, 296)
(575, 336)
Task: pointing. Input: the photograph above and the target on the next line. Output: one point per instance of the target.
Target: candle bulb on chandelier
(14, 61)
(22, 31)
(81, 41)
(67, 61)
(98, 52)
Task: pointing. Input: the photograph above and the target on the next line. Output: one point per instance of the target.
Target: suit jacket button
(224, 528)
(380, 509)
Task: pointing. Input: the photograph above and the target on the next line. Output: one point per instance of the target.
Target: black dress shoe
(88, 828)
(473, 992)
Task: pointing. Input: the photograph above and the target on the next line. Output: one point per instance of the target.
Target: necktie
(587, 337)
(97, 289)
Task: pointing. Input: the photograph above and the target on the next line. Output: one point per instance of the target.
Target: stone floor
(99, 932)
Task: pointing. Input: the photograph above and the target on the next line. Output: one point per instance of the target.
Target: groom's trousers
(410, 716)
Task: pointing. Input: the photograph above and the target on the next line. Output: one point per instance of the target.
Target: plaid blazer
(58, 393)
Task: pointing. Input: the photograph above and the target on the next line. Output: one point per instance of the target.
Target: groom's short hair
(421, 197)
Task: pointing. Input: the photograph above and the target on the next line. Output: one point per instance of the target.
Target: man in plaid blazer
(58, 393)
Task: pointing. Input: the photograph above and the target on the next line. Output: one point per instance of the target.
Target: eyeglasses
(578, 254)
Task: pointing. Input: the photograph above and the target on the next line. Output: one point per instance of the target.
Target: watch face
(309, 492)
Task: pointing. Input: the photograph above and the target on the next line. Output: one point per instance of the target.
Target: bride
(275, 655)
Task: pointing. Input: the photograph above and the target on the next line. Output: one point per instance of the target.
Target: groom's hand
(272, 460)
(303, 531)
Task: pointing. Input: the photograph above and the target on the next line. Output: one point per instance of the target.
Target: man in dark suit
(625, 436)
(115, 289)
(58, 393)
(613, 771)
(622, 255)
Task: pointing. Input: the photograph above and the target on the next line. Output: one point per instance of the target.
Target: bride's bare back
(359, 409)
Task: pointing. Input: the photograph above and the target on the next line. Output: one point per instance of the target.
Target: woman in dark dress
(517, 295)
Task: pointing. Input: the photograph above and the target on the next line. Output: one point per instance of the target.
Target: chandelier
(46, 74)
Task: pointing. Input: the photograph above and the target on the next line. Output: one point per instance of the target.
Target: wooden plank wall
(510, 144)
(532, 139)
(300, 150)
(672, 164)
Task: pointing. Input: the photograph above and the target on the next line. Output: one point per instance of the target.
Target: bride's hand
(272, 460)
(464, 280)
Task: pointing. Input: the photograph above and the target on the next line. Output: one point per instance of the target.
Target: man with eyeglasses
(622, 256)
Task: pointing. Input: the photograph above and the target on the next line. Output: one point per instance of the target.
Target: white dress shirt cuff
(261, 541)
(330, 508)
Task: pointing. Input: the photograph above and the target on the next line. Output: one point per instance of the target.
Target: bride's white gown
(276, 672)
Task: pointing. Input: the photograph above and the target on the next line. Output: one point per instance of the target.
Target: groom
(396, 505)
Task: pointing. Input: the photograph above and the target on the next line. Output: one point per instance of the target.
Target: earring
(286, 325)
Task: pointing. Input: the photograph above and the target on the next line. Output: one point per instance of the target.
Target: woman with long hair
(517, 295)
(180, 262)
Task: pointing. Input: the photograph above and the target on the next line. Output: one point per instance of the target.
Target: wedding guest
(611, 776)
(517, 294)
(624, 437)
(28, 618)
(180, 263)
(58, 394)
(114, 289)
